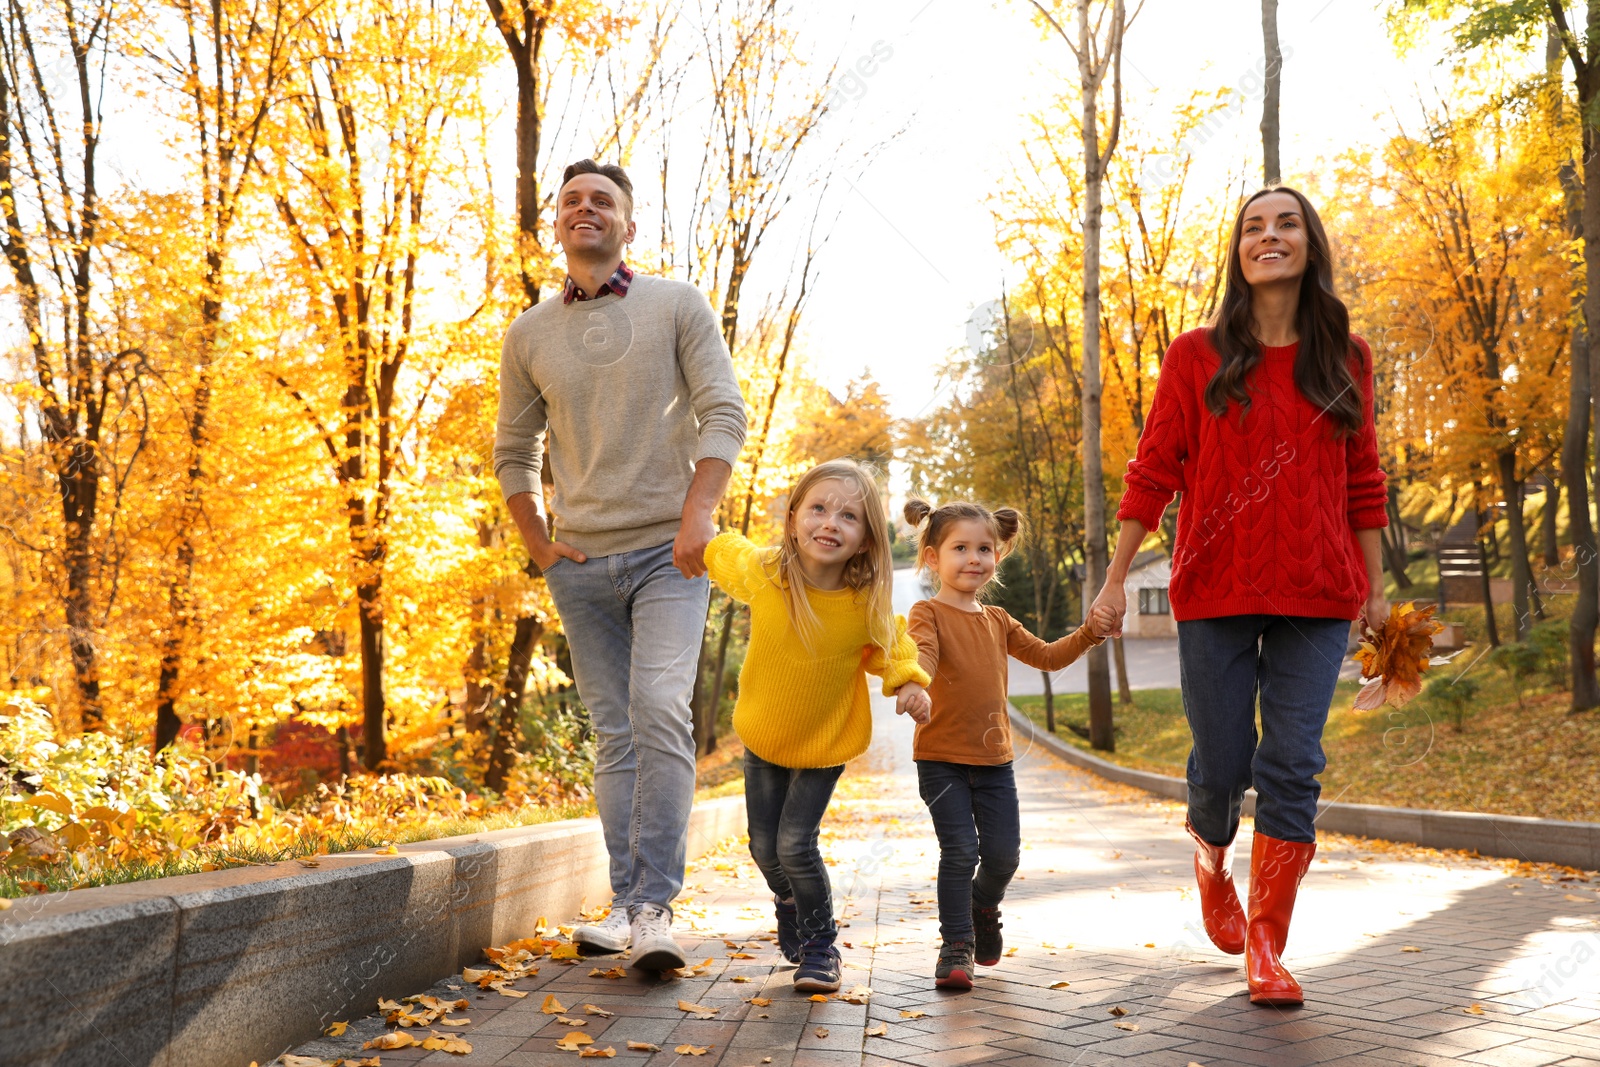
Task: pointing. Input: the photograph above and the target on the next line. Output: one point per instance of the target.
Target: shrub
(1520, 660)
(1454, 697)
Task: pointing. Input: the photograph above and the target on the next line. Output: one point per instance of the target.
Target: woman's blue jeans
(784, 807)
(1292, 664)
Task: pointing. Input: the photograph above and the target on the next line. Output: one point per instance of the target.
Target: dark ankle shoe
(819, 968)
(788, 930)
(954, 969)
(987, 942)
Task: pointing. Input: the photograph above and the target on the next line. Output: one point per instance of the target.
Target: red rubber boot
(1276, 868)
(1219, 899)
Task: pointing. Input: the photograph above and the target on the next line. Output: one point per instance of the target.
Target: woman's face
(1272, 240)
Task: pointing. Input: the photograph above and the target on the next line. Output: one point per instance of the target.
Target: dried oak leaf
(597, 1053)
(880, 1030)
(392, 1040)
(552, 1006)
(590, 1009)
(691, 1050)
(336, 1029)
(1117, 1009)
(643, 1046)
(822, 1031)
(574, 1039)
(912, 1014)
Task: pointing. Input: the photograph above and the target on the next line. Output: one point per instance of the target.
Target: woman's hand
(1114, 598)
(1377, 610)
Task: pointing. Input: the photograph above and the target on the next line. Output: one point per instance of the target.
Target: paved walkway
(1407, 958)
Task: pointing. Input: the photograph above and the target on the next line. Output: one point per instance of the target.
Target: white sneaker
(653, 946)
(611, 934)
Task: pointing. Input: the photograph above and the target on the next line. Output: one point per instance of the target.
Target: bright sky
(913, 252)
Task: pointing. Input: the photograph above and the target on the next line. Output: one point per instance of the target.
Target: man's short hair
(605, 170)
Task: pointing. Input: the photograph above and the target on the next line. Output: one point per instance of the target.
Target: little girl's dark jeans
(979, 827)
(1292, 664)
(784, 807)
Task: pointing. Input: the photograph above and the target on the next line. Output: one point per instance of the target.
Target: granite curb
(1520, 837)
(231, 966)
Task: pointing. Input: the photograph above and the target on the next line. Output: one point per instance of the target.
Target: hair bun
(916, 510)
(1007, 523)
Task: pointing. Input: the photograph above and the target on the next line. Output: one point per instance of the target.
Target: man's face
(592, 217)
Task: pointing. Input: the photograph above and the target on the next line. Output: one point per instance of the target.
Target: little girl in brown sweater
(963, 751)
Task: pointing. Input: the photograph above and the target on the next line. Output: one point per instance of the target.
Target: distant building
(1149, 612)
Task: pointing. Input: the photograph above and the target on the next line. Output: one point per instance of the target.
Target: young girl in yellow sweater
(963, 751)
(820, 621)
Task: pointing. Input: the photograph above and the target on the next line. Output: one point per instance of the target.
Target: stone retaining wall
(218, 969)
(1575, 844)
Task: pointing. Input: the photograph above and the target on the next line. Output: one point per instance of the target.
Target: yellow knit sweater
(800, 708)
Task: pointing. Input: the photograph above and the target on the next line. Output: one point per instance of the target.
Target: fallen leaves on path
(596, 1053)
(574, 1039)
(857, 995)
(1473, 1009)
(590, 1009)
(822, 1031)
(691, 1050)
(336, 1030)
(1117, 1009)
(446, 1043)
(912, 1013)
(643, 1046)
(613, 973)
(880, 1030)
(392, 1040)
(1130, 1027)
(1059, 985)
(552, 1006)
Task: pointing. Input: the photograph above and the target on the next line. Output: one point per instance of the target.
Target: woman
(1264, 421)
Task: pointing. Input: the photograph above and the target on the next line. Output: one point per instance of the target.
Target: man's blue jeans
(784, 807)
(1293, 663)
(979, 826)
(634, 625)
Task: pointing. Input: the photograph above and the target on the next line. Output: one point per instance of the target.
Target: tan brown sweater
(965, 652)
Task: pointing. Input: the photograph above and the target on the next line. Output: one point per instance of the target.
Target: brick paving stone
(1103, 902)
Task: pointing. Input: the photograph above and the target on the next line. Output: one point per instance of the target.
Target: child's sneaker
(988, 944)
(954, 970)
(788, 929)
(819, 968)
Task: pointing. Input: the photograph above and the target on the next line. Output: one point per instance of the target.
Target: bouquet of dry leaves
(1394, 657)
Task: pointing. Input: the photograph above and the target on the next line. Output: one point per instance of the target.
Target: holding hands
(1104, 620)
(911, 699)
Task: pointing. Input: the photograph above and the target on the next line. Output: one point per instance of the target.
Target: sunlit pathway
(1398, 954)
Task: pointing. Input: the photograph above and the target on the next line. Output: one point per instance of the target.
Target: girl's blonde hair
(933, 524)
(870, 572)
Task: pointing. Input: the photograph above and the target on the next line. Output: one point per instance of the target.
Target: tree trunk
(506, 733)
(1521, 573)
(1394, 541)
(1488, 596)
(1049, 702)
(369, 598)
(1271, 173)
(1575, 474)
(1094, 489)
(1120, 658)
(1550, 544)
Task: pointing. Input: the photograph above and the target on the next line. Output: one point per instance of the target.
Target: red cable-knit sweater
(1270, 503)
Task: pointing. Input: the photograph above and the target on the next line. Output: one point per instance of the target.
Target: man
(629, 377)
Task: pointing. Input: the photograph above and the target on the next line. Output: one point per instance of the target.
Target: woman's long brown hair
(1322, 366)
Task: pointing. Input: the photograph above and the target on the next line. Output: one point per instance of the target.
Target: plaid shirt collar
(618, 283)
